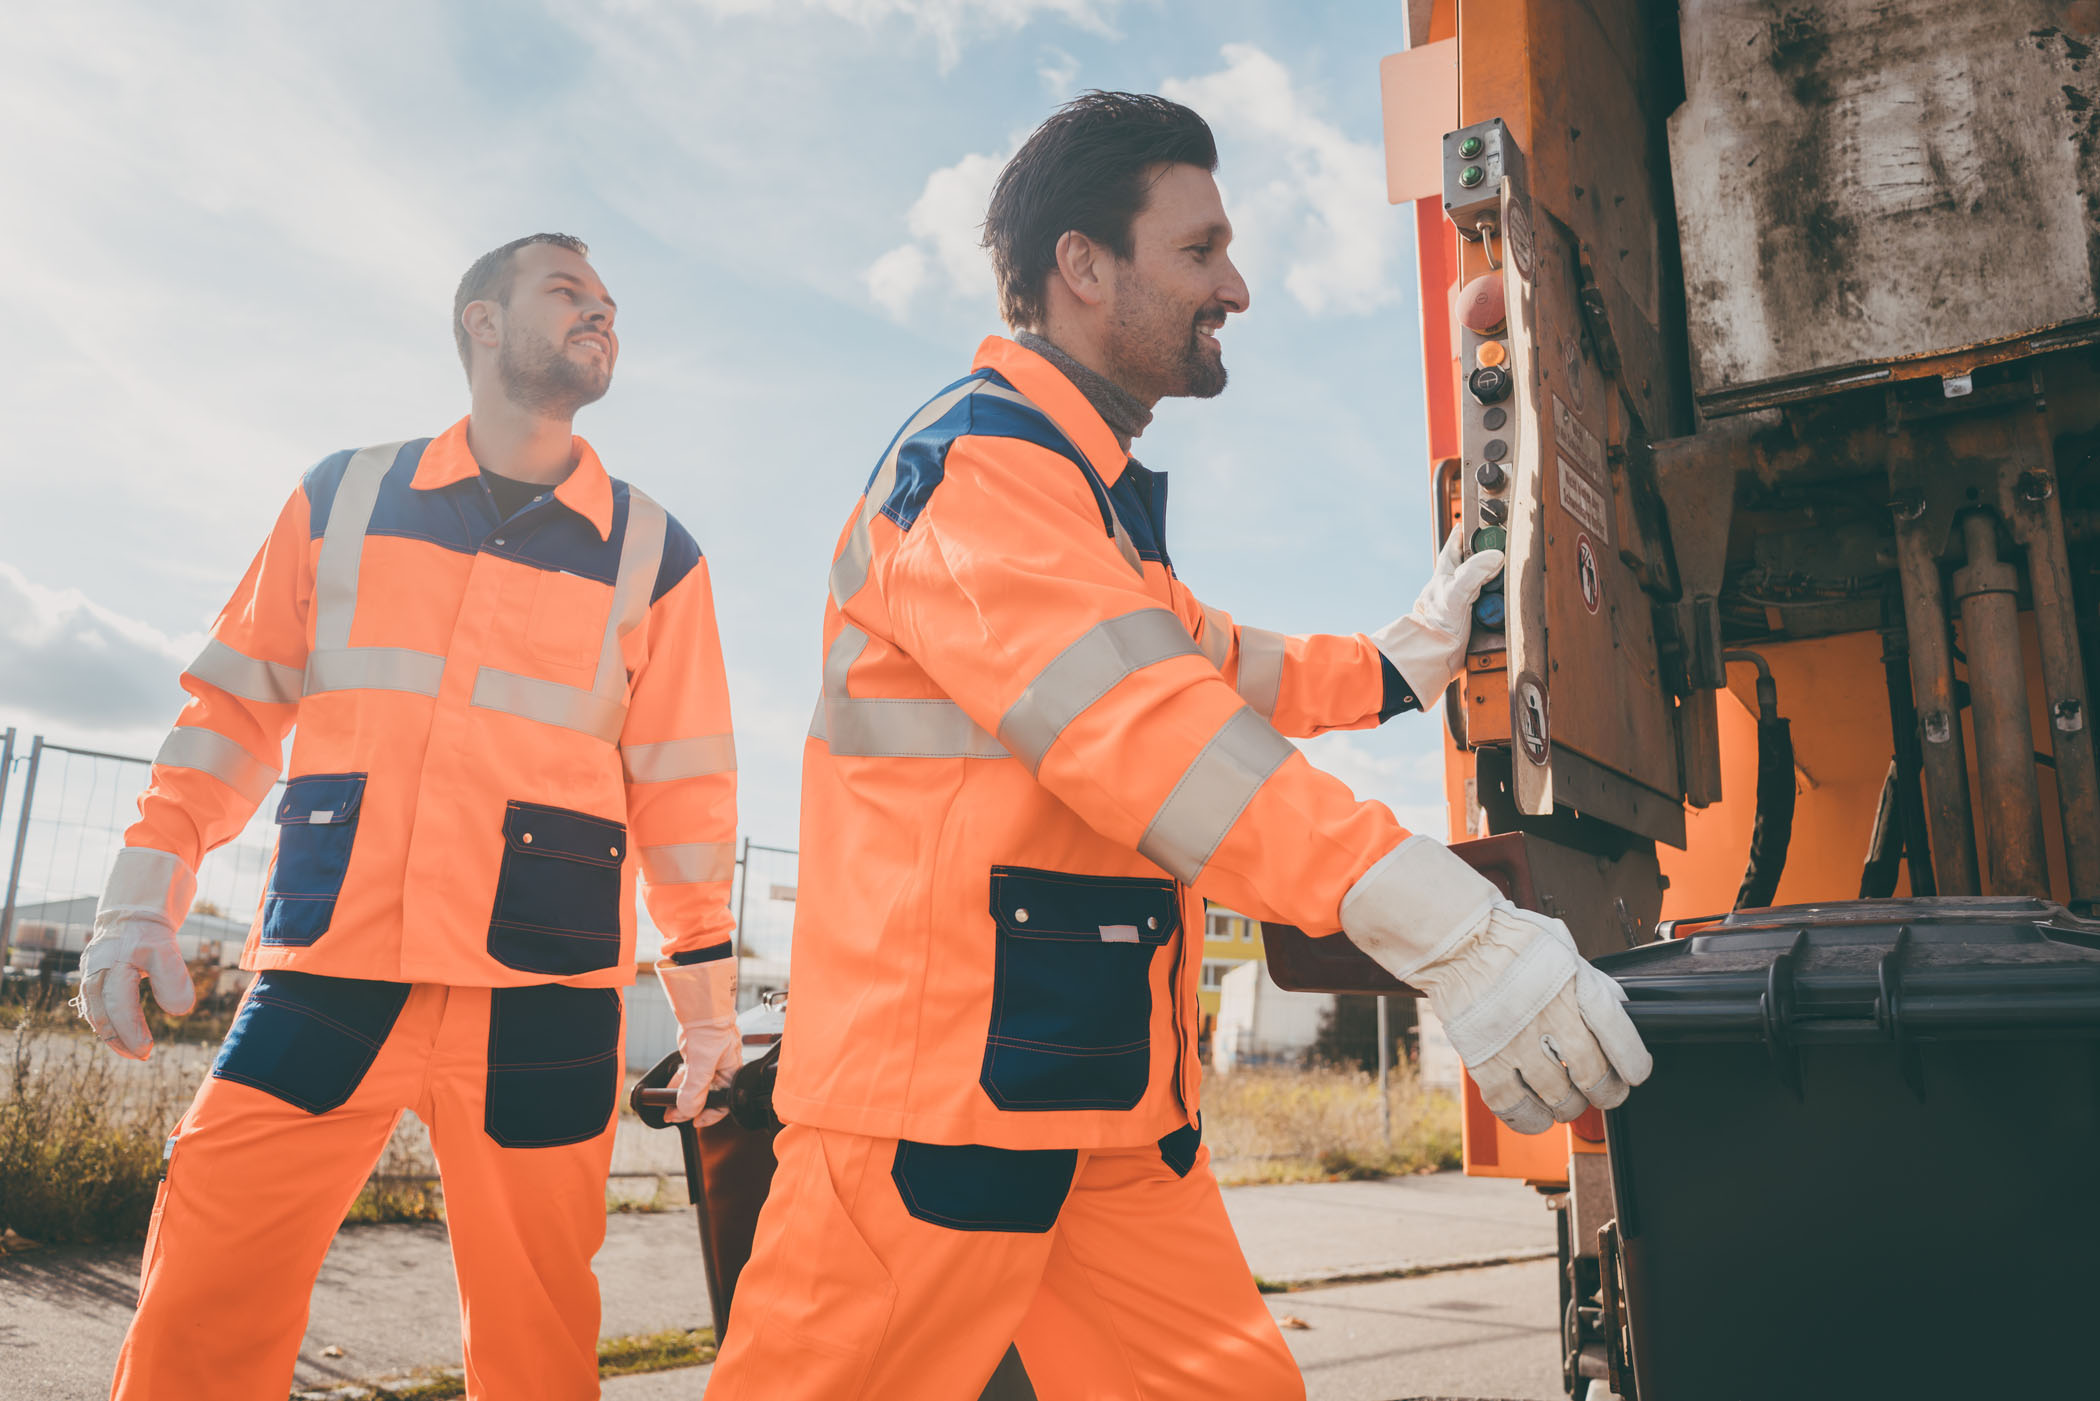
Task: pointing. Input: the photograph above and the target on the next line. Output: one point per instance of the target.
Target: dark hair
(1084, 170)
(490, 279)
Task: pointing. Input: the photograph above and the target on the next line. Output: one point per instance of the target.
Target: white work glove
(703, 998)
(1428, 646)
(1541, 1030)
(135, 939)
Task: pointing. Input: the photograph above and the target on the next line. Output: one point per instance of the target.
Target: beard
(1162, 347)
(538, 375)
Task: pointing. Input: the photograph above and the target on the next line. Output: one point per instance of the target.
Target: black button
(1490, 476)
(1494, 418)
(1490, 384)
(1495, 450)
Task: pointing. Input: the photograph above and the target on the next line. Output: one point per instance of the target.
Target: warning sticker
(1577, 441)
(1583, 501)
(1586, 573)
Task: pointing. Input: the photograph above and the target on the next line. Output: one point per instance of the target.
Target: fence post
(14, 870)
(1385, 1057)
(743, 888)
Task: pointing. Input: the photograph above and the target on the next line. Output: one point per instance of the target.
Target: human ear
(1085, 268)
(483, 321)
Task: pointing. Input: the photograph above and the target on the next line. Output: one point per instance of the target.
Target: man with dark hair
(503, 668)
(1035, 754)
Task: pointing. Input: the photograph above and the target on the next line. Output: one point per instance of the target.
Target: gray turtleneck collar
(1123, 412)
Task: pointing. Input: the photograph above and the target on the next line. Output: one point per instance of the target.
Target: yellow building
(1229, 938)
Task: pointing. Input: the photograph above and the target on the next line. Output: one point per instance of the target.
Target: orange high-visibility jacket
(1035, 753)
(497, 721)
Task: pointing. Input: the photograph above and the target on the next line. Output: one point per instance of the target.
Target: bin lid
(1867, 970)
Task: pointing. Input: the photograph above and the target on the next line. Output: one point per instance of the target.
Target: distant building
(51, 933)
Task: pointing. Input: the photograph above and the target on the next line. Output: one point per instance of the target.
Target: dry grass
(1323, 1124)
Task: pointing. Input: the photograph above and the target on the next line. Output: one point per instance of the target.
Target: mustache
(1211, 316)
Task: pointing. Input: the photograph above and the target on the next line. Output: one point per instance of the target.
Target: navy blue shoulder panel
(322, 479)
(922, 460)
(681, 556)
(1140, 497)
(876, 470)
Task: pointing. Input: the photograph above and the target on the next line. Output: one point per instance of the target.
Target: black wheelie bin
(1867, 1163)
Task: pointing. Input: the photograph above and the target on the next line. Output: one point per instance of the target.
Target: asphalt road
(1470, 1333)
(386, 1296)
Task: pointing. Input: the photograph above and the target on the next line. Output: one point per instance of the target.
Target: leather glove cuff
(1415, 905)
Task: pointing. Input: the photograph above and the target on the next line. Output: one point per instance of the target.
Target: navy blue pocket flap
(538, 830)
(322, 799)
(1106, 909)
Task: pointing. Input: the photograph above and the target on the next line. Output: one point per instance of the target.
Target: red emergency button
(1480, 305)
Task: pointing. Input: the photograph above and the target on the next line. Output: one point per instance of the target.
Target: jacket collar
(1058, 397)
(587, 490)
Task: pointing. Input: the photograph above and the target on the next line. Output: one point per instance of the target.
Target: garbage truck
(1761, 334)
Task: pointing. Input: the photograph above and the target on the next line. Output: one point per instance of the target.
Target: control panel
(1481, 162)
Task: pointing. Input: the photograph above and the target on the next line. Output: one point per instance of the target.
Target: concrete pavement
(385, 1296)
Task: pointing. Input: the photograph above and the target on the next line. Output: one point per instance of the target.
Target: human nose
(1233, 293)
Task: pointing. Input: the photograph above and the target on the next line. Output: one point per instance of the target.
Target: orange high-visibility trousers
(517, 1087)
(900, 1271)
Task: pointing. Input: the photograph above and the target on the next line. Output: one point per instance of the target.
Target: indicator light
(1471, 147)
(1492, 353)
(1472, 175)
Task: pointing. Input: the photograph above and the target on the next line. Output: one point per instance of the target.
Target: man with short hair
(508, 691)
(1036, 753)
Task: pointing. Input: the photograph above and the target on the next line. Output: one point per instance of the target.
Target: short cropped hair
(491, 277)
(1084, 170)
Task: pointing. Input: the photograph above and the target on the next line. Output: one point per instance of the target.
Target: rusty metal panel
(1861, 183)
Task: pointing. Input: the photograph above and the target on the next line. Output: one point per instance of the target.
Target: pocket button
(1020, 916)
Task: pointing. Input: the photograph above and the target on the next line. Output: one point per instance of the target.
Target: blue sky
(234, 235)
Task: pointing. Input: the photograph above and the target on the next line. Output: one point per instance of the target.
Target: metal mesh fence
(63, 820)
(63, 814)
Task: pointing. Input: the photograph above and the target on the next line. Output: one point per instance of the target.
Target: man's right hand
(131, 945)
(1541, 1030)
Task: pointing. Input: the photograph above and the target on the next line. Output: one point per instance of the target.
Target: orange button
(1492, 353)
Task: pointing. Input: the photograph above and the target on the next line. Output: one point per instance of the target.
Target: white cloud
(949, 23)
(1302, 194)
(945, 248)
(1059, 71)
(66, 659)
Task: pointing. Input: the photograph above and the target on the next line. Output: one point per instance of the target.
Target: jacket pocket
(1071, 988)
(558, 895)
(554, 1064)
(309, 1039)
(568, 617)
(316, 827)
(968, 1187)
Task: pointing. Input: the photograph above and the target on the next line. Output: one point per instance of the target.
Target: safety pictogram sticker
(1586, 573)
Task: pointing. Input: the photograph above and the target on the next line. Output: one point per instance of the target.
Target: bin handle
(1888, 1012)
(1776, 1006)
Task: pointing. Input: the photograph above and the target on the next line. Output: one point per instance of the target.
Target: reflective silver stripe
(343, 544)
(1216, 641)
(208, 751)
(250, 678)
(850, 570)
(549, 702)
(901, 729)
(641, 556)
(374, 669)
(1125, 544)
(689, 863)
(1085, 672)
(1212, 793)
(1261, 670)
(146, 878)
(890, 727)
(670, 759)
(600, 712)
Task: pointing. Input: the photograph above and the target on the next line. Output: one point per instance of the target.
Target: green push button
(1490, 537)
(1471, 147)
(1472, 175)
